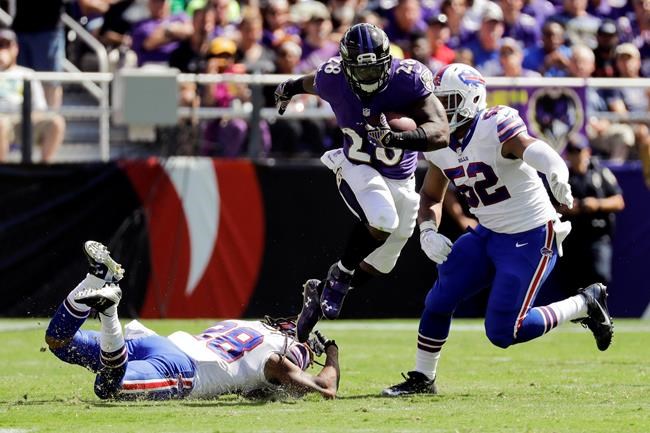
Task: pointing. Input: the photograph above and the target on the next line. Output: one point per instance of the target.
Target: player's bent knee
(501, 339)
(380, 235)
(55, 343)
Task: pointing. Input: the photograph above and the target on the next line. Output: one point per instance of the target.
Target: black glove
(380, 135)
(283, 95)
(318, 343)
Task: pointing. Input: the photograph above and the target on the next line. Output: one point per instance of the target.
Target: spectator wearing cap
(551, 57)
(511, 57)
(277, 26)
(597, 198)
(227, 136)
(41, 40)
(633, 100)
(640, 32)
(404, 20)
(485, 45)
(518, 25)
(580, 25)
(457, 22)
(607, 40)
(155, 38)
(437, 36)
(317, 45)
(250, 51)
(610, 140)
(49, 128)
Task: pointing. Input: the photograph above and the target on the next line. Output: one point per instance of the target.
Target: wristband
(329, 343)
(294, 87)
(428, 225)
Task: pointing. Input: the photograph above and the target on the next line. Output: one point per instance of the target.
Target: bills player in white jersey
(233, 356)
(494, 163)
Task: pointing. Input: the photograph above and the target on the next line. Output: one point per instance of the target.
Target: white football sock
(90, 281)
(111, 338)
(426, 362)
(344, 269)
(571, 308)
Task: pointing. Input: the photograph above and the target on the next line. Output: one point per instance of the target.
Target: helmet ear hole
(476, 99)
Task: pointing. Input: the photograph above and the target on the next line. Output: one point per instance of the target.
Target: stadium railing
(255, 110)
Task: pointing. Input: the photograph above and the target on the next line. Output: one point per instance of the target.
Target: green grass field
(559, 383)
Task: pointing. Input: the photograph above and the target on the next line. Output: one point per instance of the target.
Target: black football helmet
(366, 59)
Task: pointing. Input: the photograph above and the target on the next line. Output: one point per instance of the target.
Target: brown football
(400, 122)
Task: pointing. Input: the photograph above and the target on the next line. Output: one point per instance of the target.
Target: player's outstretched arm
(280, 370)
(289, 88)
(543, 158)
(436, 246)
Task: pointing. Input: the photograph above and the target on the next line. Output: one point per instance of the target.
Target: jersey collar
(454, 143)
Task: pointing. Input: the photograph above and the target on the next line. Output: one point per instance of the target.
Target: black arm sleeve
(295, 87)
(410, 140)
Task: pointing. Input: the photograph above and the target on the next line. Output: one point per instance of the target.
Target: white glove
(436, 246)
(561, 191)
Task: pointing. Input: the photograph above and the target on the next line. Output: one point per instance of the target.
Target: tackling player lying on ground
(375, 168)
(494, 163)
(252, 358)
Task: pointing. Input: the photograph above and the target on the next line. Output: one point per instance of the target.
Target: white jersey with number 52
(230, 356)
(506, 195)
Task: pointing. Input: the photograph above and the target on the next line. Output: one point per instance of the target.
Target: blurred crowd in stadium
(550, 38)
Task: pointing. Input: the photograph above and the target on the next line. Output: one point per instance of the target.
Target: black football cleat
(335, 288)
(101, 264)
(311, 312)
(100, 299)
(415, 383)
(598, 321)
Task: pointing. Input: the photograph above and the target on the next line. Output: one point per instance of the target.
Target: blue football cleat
(336, 287)
(310, 313)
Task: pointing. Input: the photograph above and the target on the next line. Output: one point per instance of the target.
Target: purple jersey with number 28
(410, 81)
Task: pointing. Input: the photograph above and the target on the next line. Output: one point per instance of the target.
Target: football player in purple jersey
(257, 359)
(375, 168)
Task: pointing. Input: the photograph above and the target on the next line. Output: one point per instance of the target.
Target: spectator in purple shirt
(155, 38)
(485, 45)
(317, 46)
(277, 26)
(539, 9)
(518, 25)
(405, 20)
(222, 20)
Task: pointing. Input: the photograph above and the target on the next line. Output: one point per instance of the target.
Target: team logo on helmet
(471, 79)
